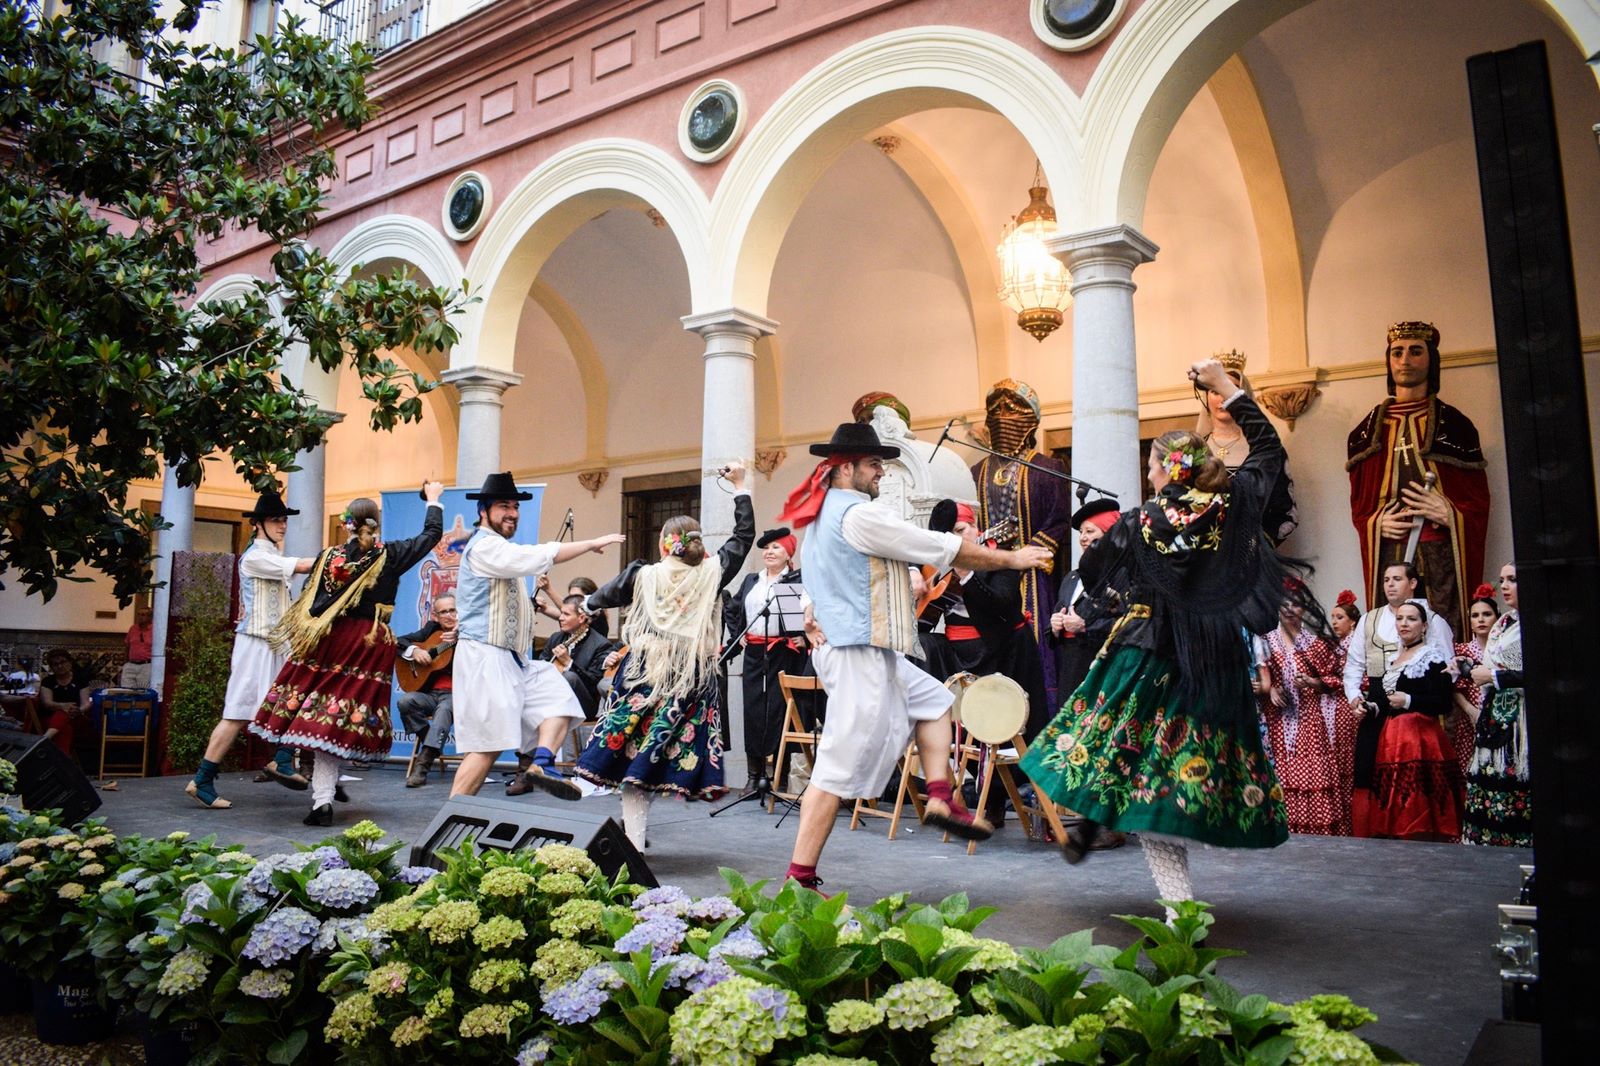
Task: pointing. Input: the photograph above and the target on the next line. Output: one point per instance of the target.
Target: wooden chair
(1001, 763)
(116, 712)
(577, 740)
(445, 763)
(910, 767)
(795, 737)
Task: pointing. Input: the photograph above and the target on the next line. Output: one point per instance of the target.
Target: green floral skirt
(1125, 753)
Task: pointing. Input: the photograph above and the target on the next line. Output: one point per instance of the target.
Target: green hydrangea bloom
(562, 884)
(1197, 1017)
(1037, 1045)
(1336, 1012)
(734, 1023)
(853, 1016)
(186, 971)
(389, 979)
(492, 1019)
(352, 1019)
(440, 1004)
(820, 1059)
(564, 858)
(558, 962)
(992, 954)
(365, 831)
(918, 1002)
(498, 932)
(411, 1031)
(400, 916)
(505, 881)
(1088, 1026)
(450, 921)
(496, 975)
(1316, 1045)
(577, 916)
(965, 1041)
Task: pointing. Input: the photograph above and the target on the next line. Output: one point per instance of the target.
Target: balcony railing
(381, 25)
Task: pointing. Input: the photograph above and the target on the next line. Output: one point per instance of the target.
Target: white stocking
(1169, 865)
(324, 777)
(636, 813)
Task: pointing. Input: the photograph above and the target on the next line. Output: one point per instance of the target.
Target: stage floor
(1404, 929)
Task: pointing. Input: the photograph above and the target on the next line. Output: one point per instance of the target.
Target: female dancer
(332, 696)
(1416, 781)
(1162, 736)
(1499, 789)
(1482, 613)
(661, 730)
(1342, 619)
(1301, 712)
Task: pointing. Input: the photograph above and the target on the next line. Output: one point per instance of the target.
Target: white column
(1105, 378)
(728, 420)
(306, 491)
(177, 507)
(478, 432)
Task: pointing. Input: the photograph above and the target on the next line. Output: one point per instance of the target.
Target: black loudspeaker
(510, 825)
(48, 779)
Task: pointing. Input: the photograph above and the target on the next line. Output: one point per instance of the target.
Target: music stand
(763, 789)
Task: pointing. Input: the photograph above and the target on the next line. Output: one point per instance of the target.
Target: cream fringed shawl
(672, 628)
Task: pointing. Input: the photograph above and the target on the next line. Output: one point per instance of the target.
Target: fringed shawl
(302, 629)
(672, 628)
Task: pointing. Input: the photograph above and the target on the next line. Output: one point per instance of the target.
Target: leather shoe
(322, 815)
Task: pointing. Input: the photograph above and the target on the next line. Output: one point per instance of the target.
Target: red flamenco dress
(333, 694)
(1418, 789)
(1302, 734)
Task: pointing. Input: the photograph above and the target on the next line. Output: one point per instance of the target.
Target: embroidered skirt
(675, 748)
(1125, 752)
(1499, 792)
(1416, 784)
(336, 699)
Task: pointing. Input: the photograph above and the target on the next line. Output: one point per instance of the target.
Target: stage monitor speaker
(512, 825)
(48, 779)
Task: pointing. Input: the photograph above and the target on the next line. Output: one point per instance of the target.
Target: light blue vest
(262, 600)
(492, 610)
(858, 599)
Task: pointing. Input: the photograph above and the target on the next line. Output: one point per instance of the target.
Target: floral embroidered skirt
(1125, 752)
(672, 749)
(1416, 784)
(336, 699)
(1499, 792)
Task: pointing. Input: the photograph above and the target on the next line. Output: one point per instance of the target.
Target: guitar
(935, 584)
(410, 676)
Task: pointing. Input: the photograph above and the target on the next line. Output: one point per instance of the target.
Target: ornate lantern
(1034, 283)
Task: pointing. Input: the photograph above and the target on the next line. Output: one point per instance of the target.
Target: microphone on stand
(566, 525)
(942, 438)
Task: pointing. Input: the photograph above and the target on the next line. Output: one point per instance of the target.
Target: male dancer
(504, 698)
(860, 590)
(264, 573)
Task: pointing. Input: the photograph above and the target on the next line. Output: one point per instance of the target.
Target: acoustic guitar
(935, 584)
(410, 676)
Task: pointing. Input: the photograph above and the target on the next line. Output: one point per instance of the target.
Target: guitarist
(429, 708)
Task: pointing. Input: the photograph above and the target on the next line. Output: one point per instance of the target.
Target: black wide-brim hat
(771, 536)
(269, 505)
(499, 487)
(1092, 508)
(855, 438)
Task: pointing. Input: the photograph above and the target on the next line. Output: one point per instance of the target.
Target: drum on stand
(993, 709)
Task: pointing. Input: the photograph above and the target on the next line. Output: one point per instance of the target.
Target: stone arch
(547, 207)
(860, 89)
(1160, 59)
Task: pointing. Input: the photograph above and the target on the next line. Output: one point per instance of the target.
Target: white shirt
(874, 529)
(495, 556)
(1355, 662)
(756, 599)
(269, 562)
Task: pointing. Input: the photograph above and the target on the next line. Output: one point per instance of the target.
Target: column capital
(1120, 242)
(333, 417)
(730, 320)
(480, 377)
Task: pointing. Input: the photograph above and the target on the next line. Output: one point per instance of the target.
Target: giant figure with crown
(1415, 459)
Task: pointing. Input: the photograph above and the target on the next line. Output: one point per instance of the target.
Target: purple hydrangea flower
(125, 877)
(259, 879)
(661, 933)
(739, 944)
(280, 936)
(195, 898)
(668, 899)
(342, 889)
(534, 1051)
(329, 858)
(580, 1001)
(714, 909)
(775, 1001)
(416, 875)
(353, 929)
(695, 974)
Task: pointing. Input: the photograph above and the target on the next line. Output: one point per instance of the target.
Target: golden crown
(1232, 360)
(1423, 331)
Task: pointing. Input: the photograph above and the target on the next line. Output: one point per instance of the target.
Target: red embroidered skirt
(1417, 787)
(336, 699)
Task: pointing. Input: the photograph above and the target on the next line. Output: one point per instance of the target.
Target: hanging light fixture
(1034, 283)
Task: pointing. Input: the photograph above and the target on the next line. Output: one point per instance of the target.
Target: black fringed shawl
(1210, 576)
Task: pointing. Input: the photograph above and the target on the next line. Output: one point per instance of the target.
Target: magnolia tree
(109, 185)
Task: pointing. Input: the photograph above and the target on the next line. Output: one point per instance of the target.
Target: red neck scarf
(805, 502)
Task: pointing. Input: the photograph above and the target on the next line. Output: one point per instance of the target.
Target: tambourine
(958, 685)
(994, 709)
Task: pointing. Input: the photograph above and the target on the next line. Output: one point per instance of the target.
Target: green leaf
(287, 1050)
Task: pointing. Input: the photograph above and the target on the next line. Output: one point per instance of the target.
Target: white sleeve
(267, 565)
(1355, 667)
(498, 557)
(875, 530)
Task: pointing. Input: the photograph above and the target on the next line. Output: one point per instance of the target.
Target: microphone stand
(1084, 488)
(763, 790)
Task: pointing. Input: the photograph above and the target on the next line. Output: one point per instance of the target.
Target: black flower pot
(65, 1010)
(169, 1045)
(16, 991)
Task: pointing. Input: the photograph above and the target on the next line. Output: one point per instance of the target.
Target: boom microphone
(942, 438)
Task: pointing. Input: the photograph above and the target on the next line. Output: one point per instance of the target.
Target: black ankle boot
(322, 815)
